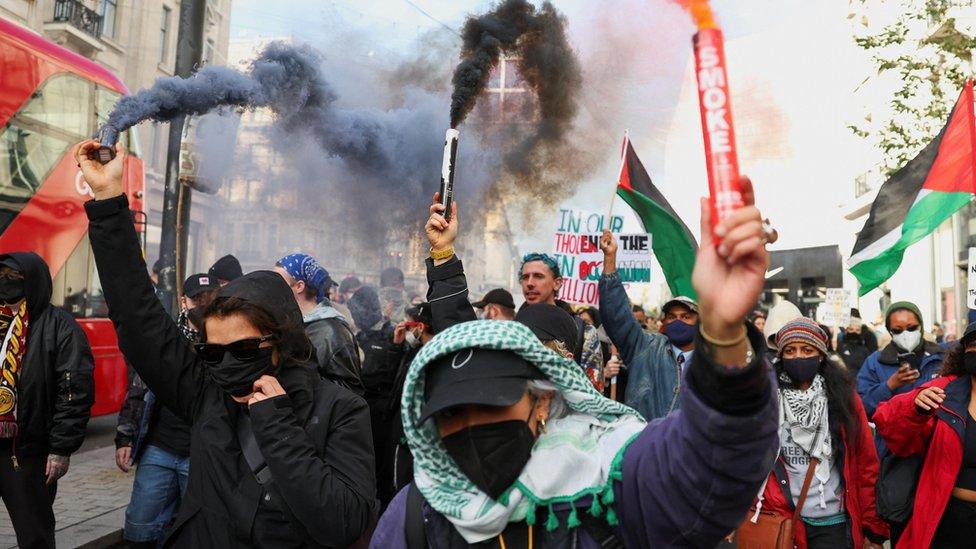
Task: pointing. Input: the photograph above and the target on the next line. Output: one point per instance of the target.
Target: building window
(164, 34)
(109, 10)
(208, 52)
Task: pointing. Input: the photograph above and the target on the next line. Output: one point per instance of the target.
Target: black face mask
(236, 377)
(11, 289)
(969, 363)
(492, 455)
(853, 338)
(801, 370)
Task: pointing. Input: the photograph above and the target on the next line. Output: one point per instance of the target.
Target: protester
(758, 319)
(541, 280)
(226, 269)
(280, 456)
(936, 421)
(905, 363)
(381, 360)
(157, 439)
(411, 335)
(853, 347)
(655, 361)
(336, 352)
(348, 287)
(823, 418)
(511, 443)
(393, 296)
(497, 304)
(46, 393)
(781, 314)
(156, 269)
(554, 327)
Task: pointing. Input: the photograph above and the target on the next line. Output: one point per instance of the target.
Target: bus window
(77, 288)
(37, 137)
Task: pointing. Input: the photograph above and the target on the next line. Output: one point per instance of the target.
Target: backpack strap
(601, 532)
(414, 525)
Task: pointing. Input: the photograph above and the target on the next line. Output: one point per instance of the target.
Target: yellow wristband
(443, 254)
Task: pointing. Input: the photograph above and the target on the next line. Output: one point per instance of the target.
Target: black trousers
(957, 527)
(827, 537)
(28, 500)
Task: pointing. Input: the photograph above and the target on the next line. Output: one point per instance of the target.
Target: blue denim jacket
(653, 380)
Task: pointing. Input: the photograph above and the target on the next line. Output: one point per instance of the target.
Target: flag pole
(623, 160)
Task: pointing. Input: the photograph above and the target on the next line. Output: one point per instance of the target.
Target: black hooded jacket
(315, 440)
(55, 388)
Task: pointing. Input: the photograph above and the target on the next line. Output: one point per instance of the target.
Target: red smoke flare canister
(714, 100)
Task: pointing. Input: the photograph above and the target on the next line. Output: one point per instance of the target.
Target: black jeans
(957, 527)
(28, 500)
(827, 537)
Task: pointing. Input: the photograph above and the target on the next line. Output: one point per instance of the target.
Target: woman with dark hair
(938, 420)
(281, 457)
(825, 445)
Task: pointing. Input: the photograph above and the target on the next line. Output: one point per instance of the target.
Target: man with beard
(156, 438)
(46, 393)
(335, 346)
(655, 362)
(541, 280)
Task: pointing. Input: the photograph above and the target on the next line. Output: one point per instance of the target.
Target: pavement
(89, 509)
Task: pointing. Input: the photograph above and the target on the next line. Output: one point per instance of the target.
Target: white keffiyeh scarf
(804, 413)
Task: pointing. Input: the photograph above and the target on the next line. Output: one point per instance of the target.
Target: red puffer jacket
(860, 476)
(907, 431)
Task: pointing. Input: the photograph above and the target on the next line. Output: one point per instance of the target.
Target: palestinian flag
(673, 245)
(918, 198)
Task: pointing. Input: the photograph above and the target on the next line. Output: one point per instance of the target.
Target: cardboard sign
(577, 251)
(835, 311)
(971, 285)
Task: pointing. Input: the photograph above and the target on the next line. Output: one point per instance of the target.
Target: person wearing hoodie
(905, 363)
(514, 447)
(855, 343)
(335, 345)
(655, 361)
(281, 457)
(381, 360)
(226, 269)
(46, 393)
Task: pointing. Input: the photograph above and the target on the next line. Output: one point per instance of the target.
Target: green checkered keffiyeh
(579, 455)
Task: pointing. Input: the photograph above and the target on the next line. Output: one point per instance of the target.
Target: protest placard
(577, 251)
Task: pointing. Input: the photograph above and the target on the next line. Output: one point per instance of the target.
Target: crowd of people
(284, 408)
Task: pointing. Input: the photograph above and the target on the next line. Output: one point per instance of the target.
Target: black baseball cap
(196, 284)
(476, 376)
(227, 268)
(498, 296)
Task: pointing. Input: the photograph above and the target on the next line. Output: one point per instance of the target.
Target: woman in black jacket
(281, 458)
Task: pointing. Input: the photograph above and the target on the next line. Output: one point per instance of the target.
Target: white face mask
(908, 341)
(412, 340)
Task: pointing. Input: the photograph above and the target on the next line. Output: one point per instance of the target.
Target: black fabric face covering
(802, 369)
(11, 290)
(969, 363)
(236, 377)
(492, 455)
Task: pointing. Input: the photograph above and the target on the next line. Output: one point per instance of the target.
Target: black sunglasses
(244, 349)
(896, 331)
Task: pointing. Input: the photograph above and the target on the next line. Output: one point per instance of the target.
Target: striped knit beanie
(802, 330)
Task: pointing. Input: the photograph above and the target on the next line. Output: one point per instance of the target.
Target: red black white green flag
(672, 242)
(918, 197)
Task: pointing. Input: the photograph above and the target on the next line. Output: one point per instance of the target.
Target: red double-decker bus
(50, 99)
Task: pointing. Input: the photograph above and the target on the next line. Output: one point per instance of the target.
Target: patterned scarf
(804, 413)
(188, 332)
(579, 455)
(13, 326)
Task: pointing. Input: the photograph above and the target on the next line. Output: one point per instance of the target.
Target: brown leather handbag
(772, 530)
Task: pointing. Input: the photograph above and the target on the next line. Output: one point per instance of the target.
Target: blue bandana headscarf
(305, 268)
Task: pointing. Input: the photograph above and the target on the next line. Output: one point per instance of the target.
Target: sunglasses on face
(244, 349)
(896, 331)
